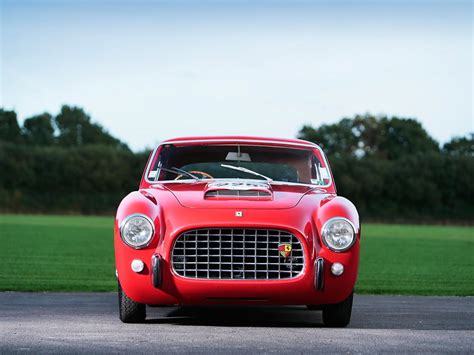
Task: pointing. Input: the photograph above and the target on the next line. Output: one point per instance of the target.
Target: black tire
(129, 310)
(339, 314)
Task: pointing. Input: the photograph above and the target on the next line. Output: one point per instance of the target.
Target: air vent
(238, 194)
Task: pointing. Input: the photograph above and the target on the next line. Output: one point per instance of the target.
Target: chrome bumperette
(237, 254)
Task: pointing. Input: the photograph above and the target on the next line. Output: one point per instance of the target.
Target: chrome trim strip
(242, 140)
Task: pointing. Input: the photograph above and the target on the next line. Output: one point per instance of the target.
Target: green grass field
(58, 253)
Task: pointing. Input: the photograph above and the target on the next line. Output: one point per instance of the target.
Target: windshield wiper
(245, 170)
(179, 171)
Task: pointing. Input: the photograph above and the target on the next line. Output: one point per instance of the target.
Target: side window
(155, 165)
(320, 172)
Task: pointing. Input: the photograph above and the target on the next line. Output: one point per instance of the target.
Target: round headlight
(338, 234)
(137, 230)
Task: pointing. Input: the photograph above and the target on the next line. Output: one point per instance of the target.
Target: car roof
(240, 139)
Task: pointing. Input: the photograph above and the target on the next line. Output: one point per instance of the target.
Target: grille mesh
(242, 254)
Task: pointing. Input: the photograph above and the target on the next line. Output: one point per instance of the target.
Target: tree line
(389, 167)
(393, 170)
(64, 164)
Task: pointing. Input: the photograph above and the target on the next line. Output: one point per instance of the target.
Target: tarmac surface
(88, 323)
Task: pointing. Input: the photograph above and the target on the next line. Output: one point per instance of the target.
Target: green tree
(367, 130)
(76, 129)
(460, 146)
(336, 139)
(9, 128)
(371, 136)
(39, 130)
(404, 137)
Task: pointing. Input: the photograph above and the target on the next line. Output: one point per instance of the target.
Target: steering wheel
(194, 172)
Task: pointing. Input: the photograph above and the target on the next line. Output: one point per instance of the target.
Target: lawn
(418, 260)
(58, 253)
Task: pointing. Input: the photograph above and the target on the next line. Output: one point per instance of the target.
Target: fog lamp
(337, 269)
(137, 265)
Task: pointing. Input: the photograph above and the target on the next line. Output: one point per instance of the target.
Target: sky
(152, 70)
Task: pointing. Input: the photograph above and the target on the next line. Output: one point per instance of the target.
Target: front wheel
(339, 314)
(130, 311)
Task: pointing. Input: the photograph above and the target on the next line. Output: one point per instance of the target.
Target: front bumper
(158, 284)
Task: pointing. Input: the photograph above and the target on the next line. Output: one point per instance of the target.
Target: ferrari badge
(284, 250)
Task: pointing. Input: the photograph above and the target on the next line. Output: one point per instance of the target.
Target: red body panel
(178, 207)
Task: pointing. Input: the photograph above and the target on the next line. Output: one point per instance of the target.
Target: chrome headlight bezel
(127, 220)
(325, 229)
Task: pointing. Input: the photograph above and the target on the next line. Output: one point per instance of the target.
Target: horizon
(238, 68)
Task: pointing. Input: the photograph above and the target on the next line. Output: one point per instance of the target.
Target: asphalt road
(88, 322)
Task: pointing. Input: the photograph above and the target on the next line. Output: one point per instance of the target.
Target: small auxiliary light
(337, 269)
(137, 265)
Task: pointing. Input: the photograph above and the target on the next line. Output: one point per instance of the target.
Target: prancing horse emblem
(285, 250)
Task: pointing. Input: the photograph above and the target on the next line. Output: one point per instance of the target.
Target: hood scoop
(238, 191)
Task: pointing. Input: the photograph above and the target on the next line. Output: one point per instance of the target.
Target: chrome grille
(242, 254)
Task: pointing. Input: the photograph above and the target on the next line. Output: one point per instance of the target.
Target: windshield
(239, 162)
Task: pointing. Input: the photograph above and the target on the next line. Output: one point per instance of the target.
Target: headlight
(137, 230)
(338, 234)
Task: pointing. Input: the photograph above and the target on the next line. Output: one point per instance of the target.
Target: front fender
(137, 202)
(336, 206)
(330, 207)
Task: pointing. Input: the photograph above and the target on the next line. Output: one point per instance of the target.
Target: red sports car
(237, 220)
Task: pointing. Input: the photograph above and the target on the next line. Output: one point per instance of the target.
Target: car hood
(237, 194)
